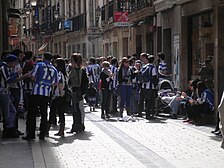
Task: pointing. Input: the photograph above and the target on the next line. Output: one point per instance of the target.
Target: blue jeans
(9, 111)
(126, 92)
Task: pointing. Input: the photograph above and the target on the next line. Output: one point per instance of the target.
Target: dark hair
(195, 84)
(4, 54)
(28, 55)
(114, 61)
(48, 56)
(151, 58)
(77, 58)
(16, 52)
(201, 87)
(92, 60)
(61, 65)
(161, 55)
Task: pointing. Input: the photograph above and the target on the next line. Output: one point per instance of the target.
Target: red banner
(121, 17)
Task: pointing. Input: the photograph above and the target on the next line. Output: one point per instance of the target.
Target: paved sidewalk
(164, 143)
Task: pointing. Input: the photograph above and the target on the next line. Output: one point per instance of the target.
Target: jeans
(126, 92)
(9, 111)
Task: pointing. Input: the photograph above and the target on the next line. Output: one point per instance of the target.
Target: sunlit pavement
(164, 143)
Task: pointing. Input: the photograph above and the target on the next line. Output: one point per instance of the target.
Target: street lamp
(56, 14)
(33, 2)
(98, 12)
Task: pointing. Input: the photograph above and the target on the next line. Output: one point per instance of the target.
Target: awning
(41, 49)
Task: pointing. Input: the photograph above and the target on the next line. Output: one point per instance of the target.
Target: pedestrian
(7, 77)
(91, 96)
(44, 76)
(125, 76)
(106, 78)
(16, 89)
(149, 81)
(112, 96)
(162, 68)
(78, 81)
(58, 101)
(93, 72)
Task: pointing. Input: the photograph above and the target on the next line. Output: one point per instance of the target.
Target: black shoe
(71, 131)
(28, 138)
(214, 131)
(19, 132)
(218, 133)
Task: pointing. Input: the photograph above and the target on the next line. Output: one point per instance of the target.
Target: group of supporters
(128, 84)
(34, 83)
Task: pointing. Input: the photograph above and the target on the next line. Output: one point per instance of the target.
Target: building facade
(187, 31)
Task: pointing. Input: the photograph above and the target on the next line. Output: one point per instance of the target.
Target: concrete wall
(1, 39)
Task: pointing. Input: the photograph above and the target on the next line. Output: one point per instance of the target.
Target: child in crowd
(91, 96)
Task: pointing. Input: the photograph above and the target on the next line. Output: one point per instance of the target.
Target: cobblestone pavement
(164, 143)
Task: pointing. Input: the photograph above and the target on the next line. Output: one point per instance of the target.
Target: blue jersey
(44, 75)
(93, 72)
(6, 76)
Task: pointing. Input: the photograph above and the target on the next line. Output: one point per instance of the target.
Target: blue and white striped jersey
(152, 69)
(45, 74)
(6, 76)
(93, 71)
(114, 71)
(162, 68)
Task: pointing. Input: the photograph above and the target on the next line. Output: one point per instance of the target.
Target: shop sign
(121, 19)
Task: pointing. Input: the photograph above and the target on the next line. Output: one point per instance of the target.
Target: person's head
(76, 60)
(195, 84)
(114, 61)
(28, 55)
(4, 55)
(124, 62)
(161, 56)
(11, 60)
(201, 87)
(91, 84)
(19, 53)
(138, 64)
(105, 65)
(151, 58)
(131, 61)
(47, 56)
(207, 61)
(144, 58)
(60, 65)
(92, 60)
(109, 58)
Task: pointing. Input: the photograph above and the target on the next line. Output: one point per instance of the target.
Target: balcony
(79, 22)
(161, 5)
(140, 5)
(141, 10)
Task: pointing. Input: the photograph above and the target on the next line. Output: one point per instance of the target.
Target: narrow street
(164, 143)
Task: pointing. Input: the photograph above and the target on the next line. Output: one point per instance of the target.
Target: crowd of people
(34, 83)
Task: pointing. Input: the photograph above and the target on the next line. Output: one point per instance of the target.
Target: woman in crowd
(125, 76)
(78, 81)
(58, 99)
(106, 78)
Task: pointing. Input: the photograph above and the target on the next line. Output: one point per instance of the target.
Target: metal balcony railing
(140, 5)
